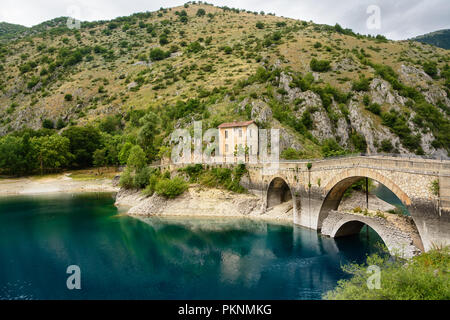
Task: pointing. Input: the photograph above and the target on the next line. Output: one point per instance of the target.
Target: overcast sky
(399, 19)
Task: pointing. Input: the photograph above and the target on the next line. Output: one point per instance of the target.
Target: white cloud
(400, 19)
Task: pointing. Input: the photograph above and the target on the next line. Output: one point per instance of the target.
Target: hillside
(439, 38)
(136, 78)
(10, 31)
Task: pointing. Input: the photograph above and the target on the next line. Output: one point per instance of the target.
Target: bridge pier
(432, 222)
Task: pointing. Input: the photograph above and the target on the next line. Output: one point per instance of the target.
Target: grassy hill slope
(329, 90)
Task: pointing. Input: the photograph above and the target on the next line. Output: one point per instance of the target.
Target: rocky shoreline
(201, 202)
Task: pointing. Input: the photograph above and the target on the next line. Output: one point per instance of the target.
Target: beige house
(235, 136)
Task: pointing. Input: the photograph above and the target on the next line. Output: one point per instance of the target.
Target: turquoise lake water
(121, 257)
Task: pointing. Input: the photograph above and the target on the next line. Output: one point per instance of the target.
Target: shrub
(193, 171)
(48, 124)
(331, 148)
(386, 145)
(152, 181)
(126, 180)
(163, 40)
(366, 100)
(141, 178)
(68, 97)
(424, 277)
(430, 68)
(359, 141)
(195, 47)
(434, 187)
(320, 65)
(200, 12)
(157, 54)
(260, 25)
(60, 124)
(362, 85)
(171, 188)
(380, 214)
(227, 50)
(357, 210)
(291, 154)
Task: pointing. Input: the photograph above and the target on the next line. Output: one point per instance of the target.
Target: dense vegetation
(424, 277)
(138, 175)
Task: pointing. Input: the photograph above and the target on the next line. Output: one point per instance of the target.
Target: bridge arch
(279, 191)
(397, 242)
(337, 186)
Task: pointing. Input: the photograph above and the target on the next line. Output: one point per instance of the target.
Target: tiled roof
(236, 124)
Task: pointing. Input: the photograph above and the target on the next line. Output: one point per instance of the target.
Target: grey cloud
(400, 19)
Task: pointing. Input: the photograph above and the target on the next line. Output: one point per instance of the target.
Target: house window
(250, 132)
(226, 134)
(240, 133)
(251, 148)
(226, 147)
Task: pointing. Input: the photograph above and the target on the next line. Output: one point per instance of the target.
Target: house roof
(236, 124)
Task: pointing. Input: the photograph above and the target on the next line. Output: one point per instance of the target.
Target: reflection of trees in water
(387, 195)
(166, 257)
(246, 251)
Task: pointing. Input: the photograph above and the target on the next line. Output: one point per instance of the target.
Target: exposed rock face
(372, 133)
(411, 74)
(288, 140)
(309, 99)
(346, 64)
(195, 202)
(261, 112)
(414, 76)
(322, 125)
(381, 92)
(199, 202)
(292, 93)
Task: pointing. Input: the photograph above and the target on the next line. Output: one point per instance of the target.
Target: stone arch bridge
(317, 187)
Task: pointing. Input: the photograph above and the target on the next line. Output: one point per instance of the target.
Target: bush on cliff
(171, 188)
(320, 65)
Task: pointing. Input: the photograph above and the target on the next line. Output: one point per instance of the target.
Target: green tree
(12, 159)
(137, 159)
(110, 124)
(124, 152)
(83, 142)
(99, 158)
(52, 152)
(147, 132)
